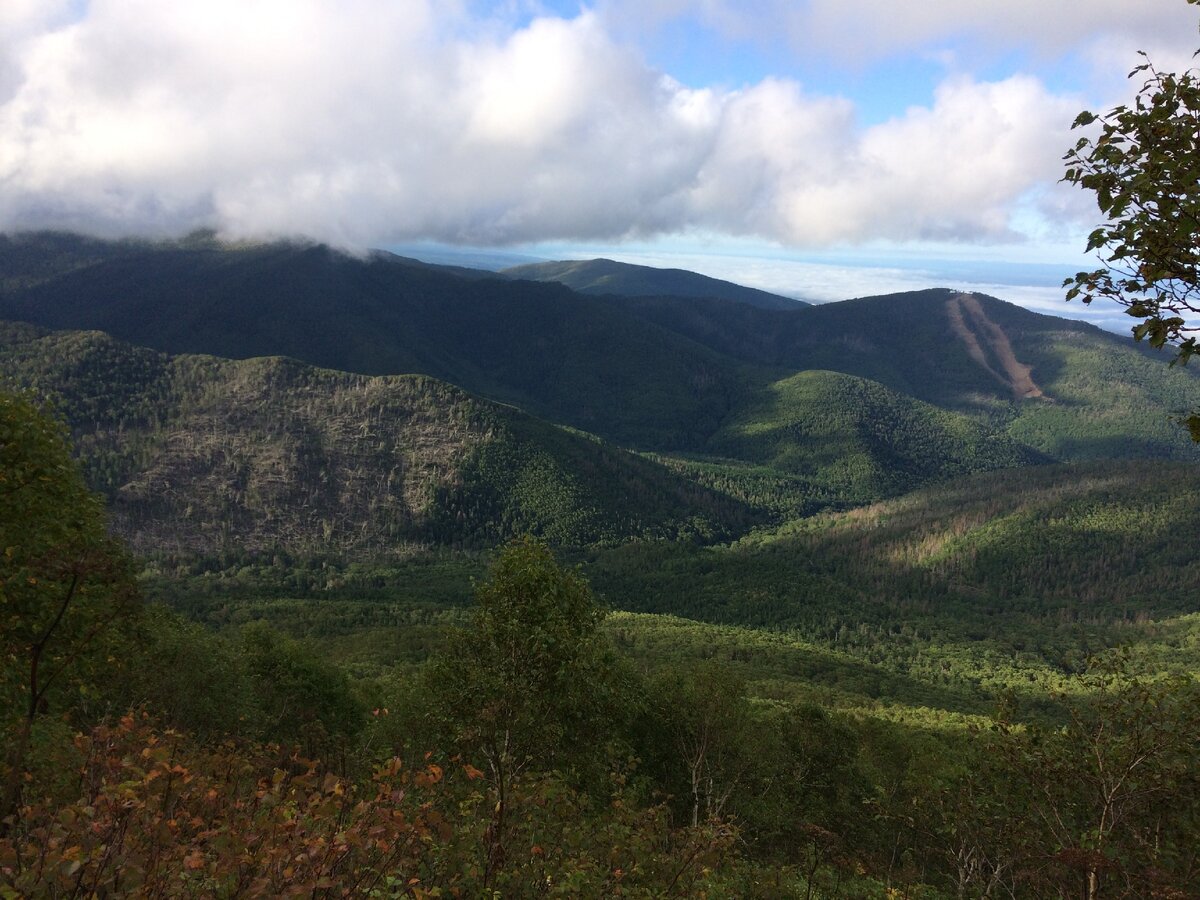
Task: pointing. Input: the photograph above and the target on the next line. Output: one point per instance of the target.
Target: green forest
(768, 612)
(429, 727)
(366, 533)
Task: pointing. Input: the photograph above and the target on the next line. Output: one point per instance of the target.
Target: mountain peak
(607, 276)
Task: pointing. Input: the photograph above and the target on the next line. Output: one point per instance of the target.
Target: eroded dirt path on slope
(973, 327)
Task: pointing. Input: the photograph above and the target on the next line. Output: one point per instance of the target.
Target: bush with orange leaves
(157, 816)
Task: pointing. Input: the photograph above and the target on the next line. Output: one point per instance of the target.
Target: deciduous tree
(530, 682)
(64, 583)
(1115, 794)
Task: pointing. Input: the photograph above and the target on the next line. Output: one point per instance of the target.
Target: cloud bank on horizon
(366, 122)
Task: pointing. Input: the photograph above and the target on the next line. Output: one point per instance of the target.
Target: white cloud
(859, 31)
(796, 168)
(20, 22)
(369, 121)
(886, 26)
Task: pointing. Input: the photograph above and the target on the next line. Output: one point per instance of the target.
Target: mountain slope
(1065, 388)
(665, 374)
(207, 455)
(562, 355)
(989, 578)
(859, 441)
(606, 276)
(917, 343)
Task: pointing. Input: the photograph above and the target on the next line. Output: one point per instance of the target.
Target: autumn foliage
(158, 816)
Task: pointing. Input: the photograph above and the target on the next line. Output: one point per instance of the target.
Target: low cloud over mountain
(367, 121)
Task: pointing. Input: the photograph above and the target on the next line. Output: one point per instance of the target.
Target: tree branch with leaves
(1143, 166)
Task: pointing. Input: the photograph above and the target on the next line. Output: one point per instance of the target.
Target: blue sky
(819, 148)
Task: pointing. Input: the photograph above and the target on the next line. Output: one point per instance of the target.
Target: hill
(563, 356)
(672, 375)
(942, 600)
(988, 581)
(606, 276)
(1066, 389)
(207, 455)
(857, 440)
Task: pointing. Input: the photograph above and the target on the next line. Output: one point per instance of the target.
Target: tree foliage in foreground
(530, 683)
(157, 815)
(1144, 169)
(64, 583)
(1116, 791)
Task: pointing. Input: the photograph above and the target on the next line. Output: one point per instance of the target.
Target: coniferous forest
(409, 581)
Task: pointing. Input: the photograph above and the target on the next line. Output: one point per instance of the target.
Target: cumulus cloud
(363, 122)
(955, 170)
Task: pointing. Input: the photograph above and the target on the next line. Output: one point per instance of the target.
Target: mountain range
(288, 395)
(606, 276)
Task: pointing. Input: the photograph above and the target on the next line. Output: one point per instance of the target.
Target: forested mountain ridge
(752, 415)
(205, 455)
(1065, 389)
(606, 276)
(653, 373)
(560, 355)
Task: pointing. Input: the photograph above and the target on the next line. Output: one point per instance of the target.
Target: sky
(818, 148)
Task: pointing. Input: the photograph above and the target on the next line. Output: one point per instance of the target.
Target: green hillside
(857, 440)
(206, 455)
(943, 599)
(749, 415)
(666, 374)
(563, 356)
(918, 343)
(1065, 389)
(998, 579)
(606, 276)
